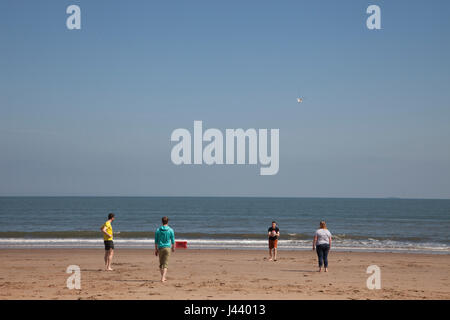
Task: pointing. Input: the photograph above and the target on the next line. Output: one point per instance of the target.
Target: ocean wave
(340, 245)
(127, 235)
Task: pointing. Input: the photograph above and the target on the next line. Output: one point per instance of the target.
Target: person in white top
(322, 245)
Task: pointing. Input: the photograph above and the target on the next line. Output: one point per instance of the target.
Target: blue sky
(91, 111)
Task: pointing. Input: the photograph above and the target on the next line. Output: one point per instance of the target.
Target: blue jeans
(322, 253)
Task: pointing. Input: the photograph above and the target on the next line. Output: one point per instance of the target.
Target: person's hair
(110, 216)
(165, 220)
(323, 224)
(274, 222)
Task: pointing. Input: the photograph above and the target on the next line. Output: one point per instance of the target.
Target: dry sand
(221, 274)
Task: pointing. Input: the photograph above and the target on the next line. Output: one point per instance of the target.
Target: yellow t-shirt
(108, 226)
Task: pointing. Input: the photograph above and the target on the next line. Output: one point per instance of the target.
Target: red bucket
(181, 244)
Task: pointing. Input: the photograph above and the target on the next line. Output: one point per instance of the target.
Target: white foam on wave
(341, 245)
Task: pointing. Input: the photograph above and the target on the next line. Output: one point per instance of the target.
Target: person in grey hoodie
(164, 244)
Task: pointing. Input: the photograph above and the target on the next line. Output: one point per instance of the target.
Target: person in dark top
(273, 234)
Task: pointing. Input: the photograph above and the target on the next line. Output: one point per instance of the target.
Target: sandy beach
(221, 274)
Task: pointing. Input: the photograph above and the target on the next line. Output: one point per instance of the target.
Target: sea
(387, 225)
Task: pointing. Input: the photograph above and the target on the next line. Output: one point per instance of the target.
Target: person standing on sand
(273, 234)
(164, 243)
(107, 231)
(322, 245)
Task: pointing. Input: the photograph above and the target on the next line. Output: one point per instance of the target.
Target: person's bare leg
(270, 254)
(326, 269)
(110, 256)
(163, 275)
(106, 259)
(275, 254)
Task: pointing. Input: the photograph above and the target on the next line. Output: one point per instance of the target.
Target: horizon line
(217, 196)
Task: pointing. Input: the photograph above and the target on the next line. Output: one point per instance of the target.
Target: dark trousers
(322, 253)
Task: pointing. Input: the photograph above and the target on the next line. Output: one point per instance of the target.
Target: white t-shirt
(323, 236)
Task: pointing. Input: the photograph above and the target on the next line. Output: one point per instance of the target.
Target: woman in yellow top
(108, 240)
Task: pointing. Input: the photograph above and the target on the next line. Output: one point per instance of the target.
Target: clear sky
(91, 111)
